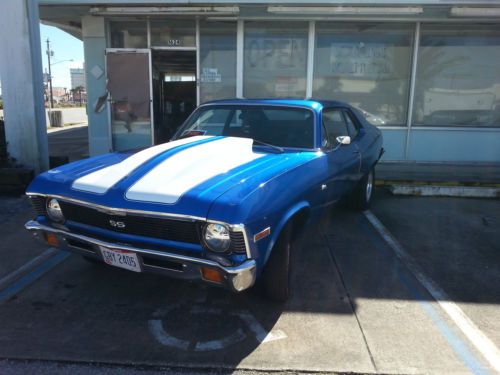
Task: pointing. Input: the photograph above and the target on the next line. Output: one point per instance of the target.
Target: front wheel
(276, 275)
(361, 197)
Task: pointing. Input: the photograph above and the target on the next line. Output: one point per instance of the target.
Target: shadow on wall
(14, 179)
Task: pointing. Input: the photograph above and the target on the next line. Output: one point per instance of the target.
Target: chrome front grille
(38, 204)
(178, 230)
(146, 226)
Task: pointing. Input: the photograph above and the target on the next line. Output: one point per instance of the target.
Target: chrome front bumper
(236, 278)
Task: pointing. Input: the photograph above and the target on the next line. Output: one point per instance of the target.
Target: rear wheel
(276, 275)
(361, 197)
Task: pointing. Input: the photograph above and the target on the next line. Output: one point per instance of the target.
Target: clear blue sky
(65, 47)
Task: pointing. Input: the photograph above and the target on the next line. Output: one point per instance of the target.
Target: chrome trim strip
(241, 228)
(119, 211)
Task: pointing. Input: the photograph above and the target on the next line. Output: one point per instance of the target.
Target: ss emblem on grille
(117, 224)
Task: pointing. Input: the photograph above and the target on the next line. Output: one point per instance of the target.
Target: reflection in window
(275, 59)
(334, 124)
(173, 33)
(458, 76)
(217, 60)
(366, 65)
(128, 34)
(285, 127)
(128, 86)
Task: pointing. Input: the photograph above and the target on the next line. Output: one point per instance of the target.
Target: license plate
(121, 258)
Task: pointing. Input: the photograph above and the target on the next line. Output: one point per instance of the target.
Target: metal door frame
(151, 116)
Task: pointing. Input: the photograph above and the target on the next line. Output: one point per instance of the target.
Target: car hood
(182, 177)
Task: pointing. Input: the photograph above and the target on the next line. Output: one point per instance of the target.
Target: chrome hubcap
(369, 186)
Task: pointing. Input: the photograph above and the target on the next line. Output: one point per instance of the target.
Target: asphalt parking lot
(364, 302)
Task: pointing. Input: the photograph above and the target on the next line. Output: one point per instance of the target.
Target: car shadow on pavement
(94, 313)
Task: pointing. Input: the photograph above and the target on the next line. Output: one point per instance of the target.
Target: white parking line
(25, 268)
(32, 275)
(480, 341)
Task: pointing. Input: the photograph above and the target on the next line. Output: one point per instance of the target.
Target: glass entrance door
(174, 90)
(129, 86)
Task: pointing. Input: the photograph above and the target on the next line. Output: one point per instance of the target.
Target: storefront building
(427, 74)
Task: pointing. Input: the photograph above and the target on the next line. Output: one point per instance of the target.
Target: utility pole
(49, 78)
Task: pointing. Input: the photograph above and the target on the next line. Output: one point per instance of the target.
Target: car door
(358, 137)
(343, 160)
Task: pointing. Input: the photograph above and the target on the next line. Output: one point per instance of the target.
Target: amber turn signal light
(211, 274)
(51, 239)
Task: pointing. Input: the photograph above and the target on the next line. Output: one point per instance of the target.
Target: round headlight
(217, 237)
(54, 211)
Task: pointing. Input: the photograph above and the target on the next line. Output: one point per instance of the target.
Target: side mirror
(343, 140)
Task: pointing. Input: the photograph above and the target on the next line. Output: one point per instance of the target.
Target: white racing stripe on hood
(169, 180)
(100, 181)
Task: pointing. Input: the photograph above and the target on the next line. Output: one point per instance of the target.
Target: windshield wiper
(280, 150)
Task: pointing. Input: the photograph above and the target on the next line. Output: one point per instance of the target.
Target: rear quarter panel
(369, 142)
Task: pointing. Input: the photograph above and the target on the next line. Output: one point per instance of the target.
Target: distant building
(77, 77)
(59, 92)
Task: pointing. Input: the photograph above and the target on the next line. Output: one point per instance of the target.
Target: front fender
(276, 231)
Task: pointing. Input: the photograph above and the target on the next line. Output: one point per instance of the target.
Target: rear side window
(352, 128)
(334, 124)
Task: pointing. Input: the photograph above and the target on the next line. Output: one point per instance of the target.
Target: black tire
(91, 260)
(361, 196)
(276, 275)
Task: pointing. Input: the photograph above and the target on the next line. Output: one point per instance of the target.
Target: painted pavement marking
(25, 268)
(478, 339)
(263, 336)
(32, 276)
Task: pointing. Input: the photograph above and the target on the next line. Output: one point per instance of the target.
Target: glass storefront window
(217, 60)
(367, 65)
(128, 34)
(458, 76)
(173, 33)
(275, 59)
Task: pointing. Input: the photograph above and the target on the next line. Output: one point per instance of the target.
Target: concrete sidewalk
(71, 142)
(478, 174)
(73, 115)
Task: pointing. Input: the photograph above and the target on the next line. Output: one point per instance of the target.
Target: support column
(94, 44)
(22, 84)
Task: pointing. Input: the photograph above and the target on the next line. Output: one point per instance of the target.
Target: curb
(445, 191)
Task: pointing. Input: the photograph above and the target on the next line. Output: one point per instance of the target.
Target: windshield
(278, 126)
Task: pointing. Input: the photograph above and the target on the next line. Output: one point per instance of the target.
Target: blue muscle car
(222, 202)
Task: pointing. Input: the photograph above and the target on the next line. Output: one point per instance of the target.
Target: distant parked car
(222, 202)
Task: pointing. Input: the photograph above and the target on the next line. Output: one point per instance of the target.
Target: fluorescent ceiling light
(152, 11)
(474, 12)
(346, 10)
